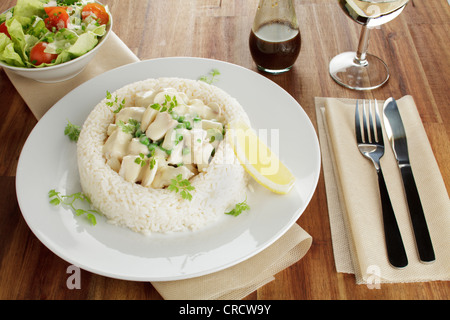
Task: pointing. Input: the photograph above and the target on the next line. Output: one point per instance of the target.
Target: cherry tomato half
(4, 29)
(38, 56)
(97, 10)
(48, 9)
(58, 18)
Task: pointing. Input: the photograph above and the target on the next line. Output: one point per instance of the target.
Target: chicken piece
(148, 117)
(160, 97)
(160, 155)
(202, 156)
(111, 128)
(216, 109)
(126, 114)
(176, 156)
(194, 137)
(203, 111)
(130, 170)
(149, 173)
(144, 99)
(160, 126)
(208, 124)
(186, 159)
(182, 98)
(165, 174)
(117, 144)
(169, 139)
(135, 147)
(193, 141)
(174, 137)
(214, 136)
(114, 164)
(182, 109)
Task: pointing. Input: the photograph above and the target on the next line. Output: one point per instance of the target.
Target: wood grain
(415, 46)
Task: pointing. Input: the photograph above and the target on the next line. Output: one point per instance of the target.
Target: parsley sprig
(114, 102)
(211, 78)
(72, 131)
(56, 198)
(167, 105)
(142, 161)
(239, 208)
(181, 185)
(130, 127)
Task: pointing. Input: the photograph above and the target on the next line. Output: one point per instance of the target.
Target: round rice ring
(146, 210)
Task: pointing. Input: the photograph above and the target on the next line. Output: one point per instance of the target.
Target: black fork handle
(394, 243)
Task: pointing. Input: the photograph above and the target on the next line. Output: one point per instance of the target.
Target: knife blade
(397, 138)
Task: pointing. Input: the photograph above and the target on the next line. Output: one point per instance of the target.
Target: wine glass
(360, 70)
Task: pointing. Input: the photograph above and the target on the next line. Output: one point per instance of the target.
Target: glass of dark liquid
(275, 39)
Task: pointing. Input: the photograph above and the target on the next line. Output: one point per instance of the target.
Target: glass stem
(363, 46)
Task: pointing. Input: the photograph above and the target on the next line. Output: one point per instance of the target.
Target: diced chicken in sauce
(162, 136)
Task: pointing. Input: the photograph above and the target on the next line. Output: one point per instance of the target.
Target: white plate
(48, 161)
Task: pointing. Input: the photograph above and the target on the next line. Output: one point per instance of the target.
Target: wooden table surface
(416, 47)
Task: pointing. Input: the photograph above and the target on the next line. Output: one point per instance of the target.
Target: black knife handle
(419, 223)
(394, 243)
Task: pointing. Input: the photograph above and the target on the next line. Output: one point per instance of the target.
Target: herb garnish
(167, 105)
(152, 163)
(211, 78)
(114, 102)
(239, 208)
(131, 127)
(72, 131)
(66, 2)
(182, 186)
(56, 198)
(171, 103)
(142, 161)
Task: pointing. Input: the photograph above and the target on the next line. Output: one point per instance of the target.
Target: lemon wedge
(258, 160)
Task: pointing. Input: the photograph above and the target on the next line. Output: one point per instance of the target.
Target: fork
(371, 144)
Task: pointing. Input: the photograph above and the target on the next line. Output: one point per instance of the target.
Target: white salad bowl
(63, 71)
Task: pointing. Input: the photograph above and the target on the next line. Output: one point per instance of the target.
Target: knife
(397, 137)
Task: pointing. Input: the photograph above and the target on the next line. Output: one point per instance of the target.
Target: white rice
(148, 210)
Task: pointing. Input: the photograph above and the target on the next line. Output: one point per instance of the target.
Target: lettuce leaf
(26, 9)
(7, 52)
(17, 36)
(61, 41)
(85, 42)
(37, 28)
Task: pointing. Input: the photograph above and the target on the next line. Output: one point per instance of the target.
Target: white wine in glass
(360, 70)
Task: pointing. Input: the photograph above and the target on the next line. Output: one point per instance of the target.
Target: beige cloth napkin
(233, 283)
(354, 204)
(42, 96)
(242, 279)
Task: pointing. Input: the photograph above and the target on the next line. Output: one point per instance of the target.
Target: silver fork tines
(370, 143)
(370, 138)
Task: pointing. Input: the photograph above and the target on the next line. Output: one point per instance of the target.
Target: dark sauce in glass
(275, 45)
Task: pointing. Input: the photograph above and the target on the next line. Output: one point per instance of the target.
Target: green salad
(41, 33)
